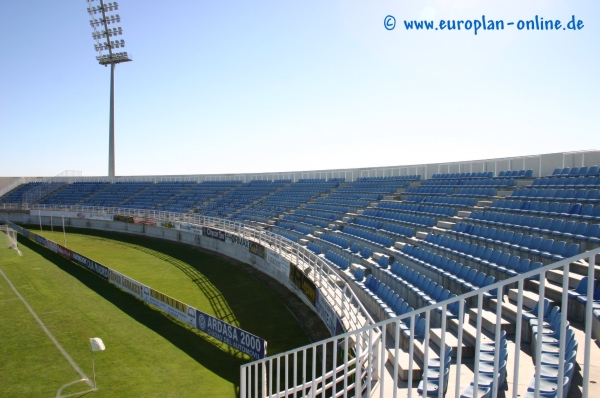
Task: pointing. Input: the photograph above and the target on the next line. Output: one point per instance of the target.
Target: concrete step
(489, 321)
(556, 276)
(530, 299)
(404, 365)
(552, 292)
(468, 350)
(581, 268)
(469, 332)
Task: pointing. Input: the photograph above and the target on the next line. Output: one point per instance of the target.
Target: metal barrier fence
(339, 379)
(353, 363)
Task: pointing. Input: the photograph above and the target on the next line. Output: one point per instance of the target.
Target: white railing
(336, 291)
(356, 360)
(339, 379)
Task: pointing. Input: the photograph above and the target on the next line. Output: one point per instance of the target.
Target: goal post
(8, 237)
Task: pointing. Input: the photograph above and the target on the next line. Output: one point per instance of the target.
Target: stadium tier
(407, 241)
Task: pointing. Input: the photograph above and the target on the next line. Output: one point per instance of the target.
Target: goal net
(8, 237)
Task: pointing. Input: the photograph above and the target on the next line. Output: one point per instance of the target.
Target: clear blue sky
(237, 86)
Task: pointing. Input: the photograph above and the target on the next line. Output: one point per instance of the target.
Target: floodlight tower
(112, 58)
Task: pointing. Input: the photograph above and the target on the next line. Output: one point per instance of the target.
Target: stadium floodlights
(100, 19)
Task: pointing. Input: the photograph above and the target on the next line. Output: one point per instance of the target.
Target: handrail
(365, 348)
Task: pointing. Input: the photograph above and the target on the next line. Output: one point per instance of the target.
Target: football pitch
(50, 307)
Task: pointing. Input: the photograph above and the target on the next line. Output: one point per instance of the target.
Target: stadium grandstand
(470, 279)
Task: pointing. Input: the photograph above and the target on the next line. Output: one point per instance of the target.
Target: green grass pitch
(147, 354)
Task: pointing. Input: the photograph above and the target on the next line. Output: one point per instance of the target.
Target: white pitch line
(45, 329)
(49, 312)
(59, 392)
(13, 299)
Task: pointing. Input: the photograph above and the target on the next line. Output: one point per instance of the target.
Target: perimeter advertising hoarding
(39, 239)
(144, 221)
(213, 233)
(304, 283)
(236, 240)
(90, 264)
(257, 249)
(326, 313)
(278, 261)
(63, 251)
(168, 304)
(52, 246)
(235, 337)
(127, 219)
(129, 285)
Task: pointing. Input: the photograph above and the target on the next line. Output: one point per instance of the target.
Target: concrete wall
(4, 181)
(541, 164)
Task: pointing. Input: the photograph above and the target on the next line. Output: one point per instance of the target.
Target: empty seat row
(427, 290)
(582, 182)
(404, 232)
(485, 255)
(339, 261)
(371, 237)
(429, 191)
(579, 195)
(536, 225)
(588, 211)
(488, 375)
(336, 240)
(480, 174)
(576, 172)
(475, 192)
(515, 174)
(463, 276)
(287, 235)
(451, 201)
(411, 219)
(313, 247)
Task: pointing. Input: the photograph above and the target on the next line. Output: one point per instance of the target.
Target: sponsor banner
(326, 313)
(52, 246)
(184, 226)
(63, 251)
(72, 214)
(90, 264)
(127, 219)
(235, 337)
(213, 233)
(39, 239)
(278, 261)
(129, 285)
(168, 304)
(236, 240)
(145, 221)
(15, 227)
(257, 249)
(306, 285)
(165, 224)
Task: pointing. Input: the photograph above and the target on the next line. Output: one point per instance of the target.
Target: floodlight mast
(112, 59)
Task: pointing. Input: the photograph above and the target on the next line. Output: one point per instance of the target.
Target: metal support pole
(111, 125)
(93, 369)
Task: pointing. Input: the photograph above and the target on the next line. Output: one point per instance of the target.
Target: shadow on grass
(234, 295)
(193, 344)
